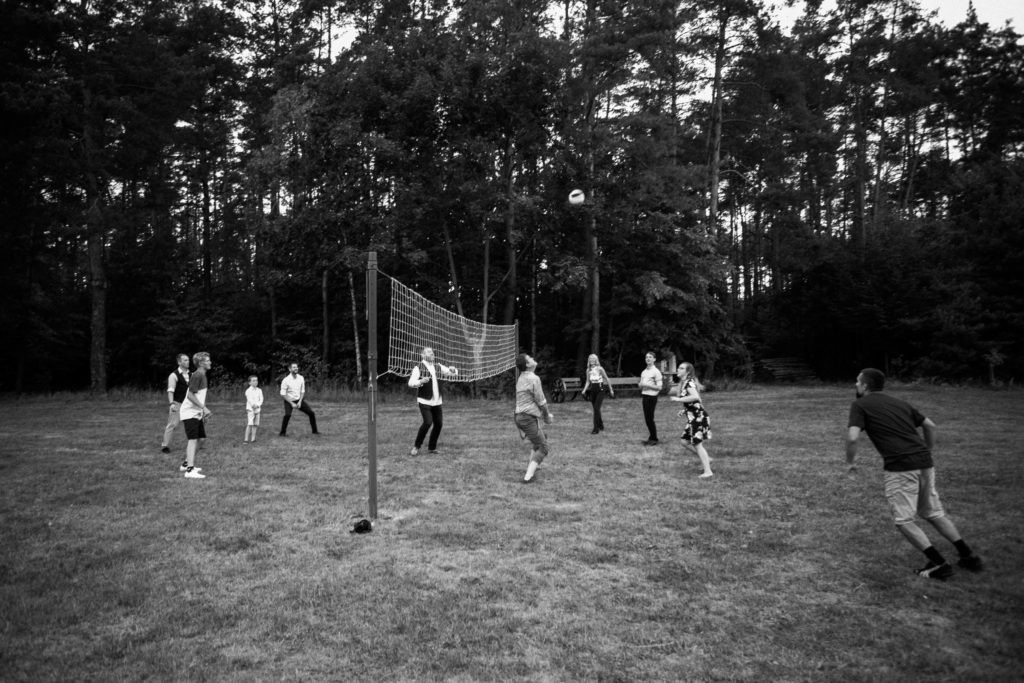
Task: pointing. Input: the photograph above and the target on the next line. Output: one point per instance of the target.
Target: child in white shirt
(253, 403)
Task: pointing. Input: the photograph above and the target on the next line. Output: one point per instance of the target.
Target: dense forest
(846, 188)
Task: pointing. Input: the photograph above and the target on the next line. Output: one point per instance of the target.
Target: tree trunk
(207, 232)
(325, 314)
(714, 162)
(510, 225)
(98, 295)
(272, 294)
(94, 219)
(451, 268)
(533, 303)
(487, 276)
(595, 299)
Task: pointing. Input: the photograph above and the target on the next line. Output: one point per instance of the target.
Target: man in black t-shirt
(892, 425)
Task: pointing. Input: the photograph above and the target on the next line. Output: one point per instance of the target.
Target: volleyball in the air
(576, 197)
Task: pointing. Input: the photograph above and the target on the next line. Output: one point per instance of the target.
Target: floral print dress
(698, 426)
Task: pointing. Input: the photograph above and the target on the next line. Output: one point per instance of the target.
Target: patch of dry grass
(618, 564)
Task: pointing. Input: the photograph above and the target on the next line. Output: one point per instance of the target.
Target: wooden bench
(564, 386)
(624, 383)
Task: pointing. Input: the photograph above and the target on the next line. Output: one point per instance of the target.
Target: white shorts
(911, 493)
(254, 417)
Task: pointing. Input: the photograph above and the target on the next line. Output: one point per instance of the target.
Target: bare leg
(190, 452)
(705, 460)
(944, 525)
(912, 532)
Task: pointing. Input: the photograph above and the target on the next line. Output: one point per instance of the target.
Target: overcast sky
(993, 12)
(951, 12)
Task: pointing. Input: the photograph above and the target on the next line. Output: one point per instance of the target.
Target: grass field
(618, 564)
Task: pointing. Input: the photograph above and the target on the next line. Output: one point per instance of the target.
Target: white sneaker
(184, 468)
(530, 471)
(194, 473)
(414, 451)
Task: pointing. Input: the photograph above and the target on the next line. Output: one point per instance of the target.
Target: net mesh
(477, 350)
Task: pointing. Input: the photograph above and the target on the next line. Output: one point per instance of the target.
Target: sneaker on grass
(935, 571)
(185, 468)
(194, 473)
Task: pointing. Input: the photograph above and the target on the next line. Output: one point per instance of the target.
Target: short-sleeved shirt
(196, 385)
(647, 376)
(892, 426)
(529, 395)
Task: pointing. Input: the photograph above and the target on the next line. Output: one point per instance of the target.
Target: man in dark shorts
(892, 425)
(194, 413)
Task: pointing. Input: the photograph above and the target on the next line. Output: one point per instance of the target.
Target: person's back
(892, 426)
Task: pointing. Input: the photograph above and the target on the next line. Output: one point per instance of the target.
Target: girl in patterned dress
(698, 427)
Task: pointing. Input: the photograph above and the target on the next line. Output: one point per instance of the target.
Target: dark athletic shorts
(194, 428)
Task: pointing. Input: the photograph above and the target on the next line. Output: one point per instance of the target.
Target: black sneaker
(971, 563)
(935, 571)
(165, 449)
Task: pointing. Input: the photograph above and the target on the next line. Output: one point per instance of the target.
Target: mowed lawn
(618, 564)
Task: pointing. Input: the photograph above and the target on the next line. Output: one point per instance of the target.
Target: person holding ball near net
(424, 379)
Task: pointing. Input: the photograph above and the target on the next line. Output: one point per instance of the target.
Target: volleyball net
(477, 350)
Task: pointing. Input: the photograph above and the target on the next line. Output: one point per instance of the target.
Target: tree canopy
(184, 175)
